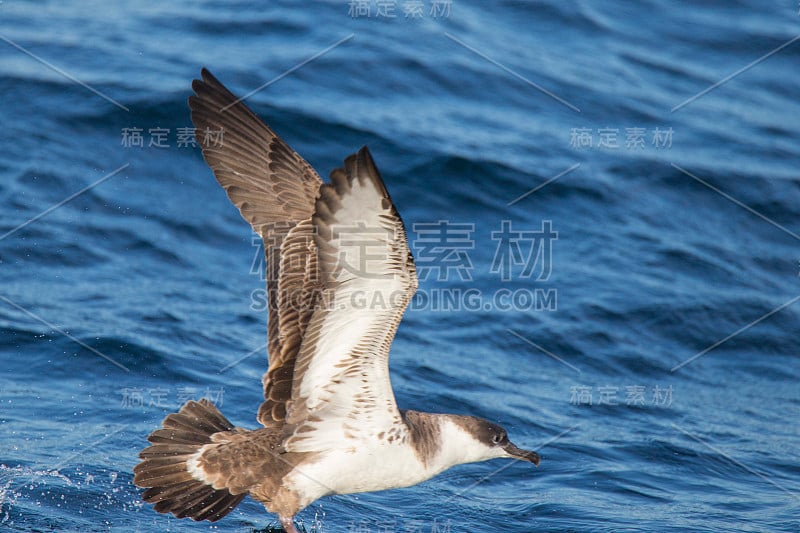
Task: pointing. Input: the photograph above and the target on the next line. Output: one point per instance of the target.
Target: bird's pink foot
(288, 525)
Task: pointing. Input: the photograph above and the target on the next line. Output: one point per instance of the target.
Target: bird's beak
(524, 455)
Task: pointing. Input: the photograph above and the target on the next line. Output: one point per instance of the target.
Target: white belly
(364, 469)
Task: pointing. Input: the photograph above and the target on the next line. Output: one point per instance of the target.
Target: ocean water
(605, 198)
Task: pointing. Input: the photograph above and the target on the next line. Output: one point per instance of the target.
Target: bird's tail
(164, 470)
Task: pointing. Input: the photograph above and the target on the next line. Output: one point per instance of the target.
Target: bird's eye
(497, 438)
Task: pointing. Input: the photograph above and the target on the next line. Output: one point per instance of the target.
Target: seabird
(330, 421)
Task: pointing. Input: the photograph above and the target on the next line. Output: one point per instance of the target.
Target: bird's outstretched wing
(341, 391)
(275, 191)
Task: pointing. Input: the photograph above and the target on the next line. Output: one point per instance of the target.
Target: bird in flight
(329, 417)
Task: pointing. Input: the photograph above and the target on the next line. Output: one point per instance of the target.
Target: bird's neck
(439, 440)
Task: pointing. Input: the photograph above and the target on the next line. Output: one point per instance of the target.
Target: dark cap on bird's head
(494, 436)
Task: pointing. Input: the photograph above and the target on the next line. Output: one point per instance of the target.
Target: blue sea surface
(604, 199)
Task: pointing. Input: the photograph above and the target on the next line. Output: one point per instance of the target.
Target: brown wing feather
(298, 288)
(275, 190)
(341, 386)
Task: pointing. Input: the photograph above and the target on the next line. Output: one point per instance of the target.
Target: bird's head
(473, 439)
